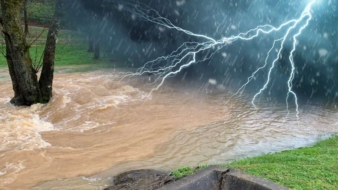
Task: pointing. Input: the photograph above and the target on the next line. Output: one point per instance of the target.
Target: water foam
(20, 128)
(78, 100)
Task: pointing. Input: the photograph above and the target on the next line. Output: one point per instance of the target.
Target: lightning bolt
(305, 14)
(186, 55)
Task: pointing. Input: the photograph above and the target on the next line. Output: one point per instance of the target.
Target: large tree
(27, 88)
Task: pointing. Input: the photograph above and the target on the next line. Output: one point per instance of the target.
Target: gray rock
(221, 178)
(211, 178)
(205, 179)
(141, 180)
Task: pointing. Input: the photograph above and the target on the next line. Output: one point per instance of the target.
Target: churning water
(97, 126)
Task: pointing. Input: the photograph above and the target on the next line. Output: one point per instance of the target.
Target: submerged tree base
(27, 89)
(19, 101)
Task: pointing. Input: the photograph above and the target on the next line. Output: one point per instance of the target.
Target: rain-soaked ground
(97, 125)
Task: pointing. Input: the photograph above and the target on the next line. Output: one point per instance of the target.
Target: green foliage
(41, 13)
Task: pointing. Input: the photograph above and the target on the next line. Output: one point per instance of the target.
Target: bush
(40, 13)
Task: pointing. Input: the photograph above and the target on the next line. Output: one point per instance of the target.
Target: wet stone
(141, 179)
(210, 178)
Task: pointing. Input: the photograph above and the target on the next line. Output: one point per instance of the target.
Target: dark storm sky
(135, 41)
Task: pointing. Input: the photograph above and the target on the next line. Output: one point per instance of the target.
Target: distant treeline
(40, 12)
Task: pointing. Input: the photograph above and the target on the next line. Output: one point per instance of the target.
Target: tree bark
(47, 74)
(27, 89)
(97, 50)
(24, 79)
(90, 43)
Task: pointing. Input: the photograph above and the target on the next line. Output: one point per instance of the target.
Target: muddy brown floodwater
(97, 126)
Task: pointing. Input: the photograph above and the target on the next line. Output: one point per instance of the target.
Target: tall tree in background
(27, 89)
(97, 49)
(95, 37)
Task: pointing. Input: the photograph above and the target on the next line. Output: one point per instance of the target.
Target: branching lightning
(186, 54)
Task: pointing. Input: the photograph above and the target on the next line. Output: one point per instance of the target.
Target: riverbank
(312, 167)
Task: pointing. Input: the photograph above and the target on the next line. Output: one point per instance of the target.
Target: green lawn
(65, 55)
(313, 167)
(71, 48)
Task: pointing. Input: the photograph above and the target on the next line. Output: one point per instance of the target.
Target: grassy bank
(313, 167)
(71, 48)
(65, 55)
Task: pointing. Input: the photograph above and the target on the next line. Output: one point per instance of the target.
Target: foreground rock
(211, 178)
(141, 179)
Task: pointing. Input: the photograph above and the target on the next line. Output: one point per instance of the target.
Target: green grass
(185, 171)
(74, 55)
(313, 167)
(71, 48)
(65, 55)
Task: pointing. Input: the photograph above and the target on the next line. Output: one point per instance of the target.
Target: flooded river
(97, 125)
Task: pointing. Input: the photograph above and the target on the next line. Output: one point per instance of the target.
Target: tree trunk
(97, 50)
(47, 74)
(25, 13)
(24, 79)
(27, 89)
(90, 43)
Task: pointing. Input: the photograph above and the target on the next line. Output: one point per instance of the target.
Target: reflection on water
(95, 122)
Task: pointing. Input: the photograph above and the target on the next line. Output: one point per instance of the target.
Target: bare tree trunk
(25, 13)
(97, 50)
(27, 89)
(47, 74)
(90, 43)
(24, 79)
